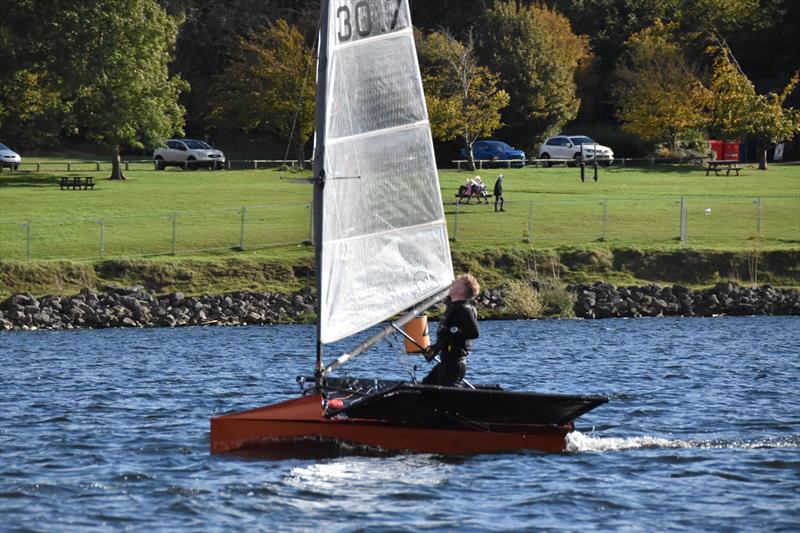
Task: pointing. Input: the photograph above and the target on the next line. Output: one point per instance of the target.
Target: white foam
(580, 442)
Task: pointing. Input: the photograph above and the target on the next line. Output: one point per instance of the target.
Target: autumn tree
(658, 92)
(270, 86)
(738, 111)
(536, 55)
(463, 99)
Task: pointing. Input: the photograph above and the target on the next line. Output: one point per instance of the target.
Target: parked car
(569, 147)
(9, 158)
(188, 153)
(490, 150)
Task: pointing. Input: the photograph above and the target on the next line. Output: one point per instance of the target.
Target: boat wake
(579, 442)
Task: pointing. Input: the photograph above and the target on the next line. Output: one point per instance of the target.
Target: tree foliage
(463, 99)
(737, 111)
(270, 86)
(537, 55)
(101, 70)
(658, 91)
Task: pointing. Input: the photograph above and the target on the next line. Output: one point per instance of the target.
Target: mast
(318, 168)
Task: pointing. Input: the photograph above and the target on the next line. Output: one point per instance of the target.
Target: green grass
(545, 208)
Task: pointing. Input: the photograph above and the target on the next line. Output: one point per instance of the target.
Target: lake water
(109, 429)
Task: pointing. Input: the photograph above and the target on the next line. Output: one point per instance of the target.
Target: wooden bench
(76, 182)
(471, 196)
(718, 165)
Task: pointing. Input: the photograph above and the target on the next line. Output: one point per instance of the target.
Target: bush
(557, 301)
(522, 300)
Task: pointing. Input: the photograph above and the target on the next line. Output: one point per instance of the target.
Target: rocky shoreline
(137, 307)
(603, 300)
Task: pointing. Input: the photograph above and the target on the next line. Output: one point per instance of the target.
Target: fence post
(97, 165)
(102, 237)
(530, 221)
(759, 211)
(455, 223)
(127, 167)
(174, 218)
(684, 230)
(28, 239)
(605, 219)
(310, 224)
(241, 229)
(69, 166)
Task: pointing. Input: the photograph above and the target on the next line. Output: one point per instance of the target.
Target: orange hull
(303, 417)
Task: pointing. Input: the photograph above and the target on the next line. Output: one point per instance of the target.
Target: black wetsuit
(453, 341)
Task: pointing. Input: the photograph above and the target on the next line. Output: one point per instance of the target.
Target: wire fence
(709, 221)
(246, 227)
(146, 164)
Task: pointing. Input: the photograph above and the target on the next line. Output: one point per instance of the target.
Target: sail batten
(377, 133)
(383, 237)
(442, 222)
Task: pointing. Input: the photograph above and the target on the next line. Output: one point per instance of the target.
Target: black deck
(487, 406)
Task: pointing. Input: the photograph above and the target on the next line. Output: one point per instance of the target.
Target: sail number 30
(360, 19)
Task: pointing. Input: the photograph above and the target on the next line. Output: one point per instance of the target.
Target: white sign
(778, 156)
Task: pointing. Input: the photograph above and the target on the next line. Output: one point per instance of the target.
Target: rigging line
(398, 351)
(300, 99)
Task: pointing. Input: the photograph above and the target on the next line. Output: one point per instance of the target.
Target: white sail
(383, 232)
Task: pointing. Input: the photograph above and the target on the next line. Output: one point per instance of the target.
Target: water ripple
(104, 430)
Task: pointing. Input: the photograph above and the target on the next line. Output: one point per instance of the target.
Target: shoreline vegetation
(518, 284)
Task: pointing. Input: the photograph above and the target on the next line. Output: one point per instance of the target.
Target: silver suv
(190, 154)
(573, 147)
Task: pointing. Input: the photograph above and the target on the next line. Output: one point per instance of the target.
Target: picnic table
(718, 165)
(77, 183)
(471, 196)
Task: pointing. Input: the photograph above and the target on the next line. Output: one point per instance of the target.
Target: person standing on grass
(498, 194)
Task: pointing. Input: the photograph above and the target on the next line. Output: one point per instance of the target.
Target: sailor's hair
(471, 283)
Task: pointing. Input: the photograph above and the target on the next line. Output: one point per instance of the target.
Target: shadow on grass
(19, 179)
(661, 169)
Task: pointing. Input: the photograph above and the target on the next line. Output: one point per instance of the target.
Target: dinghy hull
(303, 419)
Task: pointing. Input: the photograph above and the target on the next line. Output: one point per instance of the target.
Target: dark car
(490, 150)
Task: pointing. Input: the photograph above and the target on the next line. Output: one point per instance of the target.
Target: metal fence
(722, 221)
(710, 221)
(245, 227)
(145, 164)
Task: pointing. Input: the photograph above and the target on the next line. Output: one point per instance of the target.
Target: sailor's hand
(429, 354)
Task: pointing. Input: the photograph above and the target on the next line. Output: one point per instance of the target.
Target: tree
(104, 67)
(210, 36)
(537, 55)
(270, 86)
(31, 109)
(659, 93)
(738, 111)
(462, 97)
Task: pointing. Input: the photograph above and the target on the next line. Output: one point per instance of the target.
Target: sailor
(457, 328)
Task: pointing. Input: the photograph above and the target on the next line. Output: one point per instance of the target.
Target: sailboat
(382, 251)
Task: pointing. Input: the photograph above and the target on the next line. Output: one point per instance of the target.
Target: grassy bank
(196, 275)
